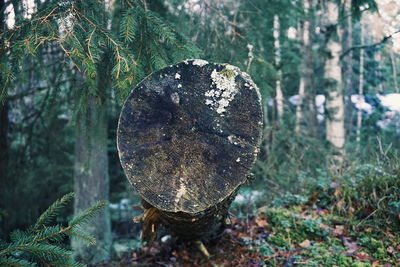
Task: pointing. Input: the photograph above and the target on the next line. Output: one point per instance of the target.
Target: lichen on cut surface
(182, 190)
(200, 62)
(175, 98)
(226, 89)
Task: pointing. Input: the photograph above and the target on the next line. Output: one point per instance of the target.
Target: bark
(306, 115)
(360, 86)
(187, 137)
(347, 68)
(278, 83)
(91, 176)
(335, 131)
(3, 112)
(91, 181)
(4, 124)
(4, 147)
(303, 30)
(394, 69)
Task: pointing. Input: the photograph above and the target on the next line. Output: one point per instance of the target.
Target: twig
(384, 40)
(202, 248)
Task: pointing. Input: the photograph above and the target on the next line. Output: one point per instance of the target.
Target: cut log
(188, 135)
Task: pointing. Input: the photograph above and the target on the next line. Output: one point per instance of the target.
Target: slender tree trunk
(360, 86)
(3, 141)
(347, 68)
(3, 110)
(394, 69)
(278, 84)
(91, 181)
(4, 148)
(306, 110)
(335, 131)
(299, 107)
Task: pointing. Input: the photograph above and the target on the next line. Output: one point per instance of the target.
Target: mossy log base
(188, 136)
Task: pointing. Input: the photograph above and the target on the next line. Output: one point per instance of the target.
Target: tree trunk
(360, 86)
(394, 69)
(91, 181)
(187, 137)
(347, 66)
(278, 83)
(4, 148)
(3, 109)
(335, 131)
(306, 120)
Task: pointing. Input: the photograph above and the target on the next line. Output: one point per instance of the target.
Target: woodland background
(67, 66)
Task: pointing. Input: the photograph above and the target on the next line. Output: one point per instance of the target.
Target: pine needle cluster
(43, 243)
(135, 41)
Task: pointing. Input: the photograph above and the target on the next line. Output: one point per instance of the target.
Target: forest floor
(290, 236)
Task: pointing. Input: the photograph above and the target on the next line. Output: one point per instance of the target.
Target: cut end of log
(182, 130)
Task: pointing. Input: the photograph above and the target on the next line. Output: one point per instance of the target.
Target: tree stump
(188, 136)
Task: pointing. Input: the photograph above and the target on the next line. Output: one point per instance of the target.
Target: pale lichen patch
(237, 141)
(226, 89)
(177, 76)
(179, 85)
(232, 139)
(182, 190)
(251, 85)
(211, 93)
(175, 98)
(200, 62)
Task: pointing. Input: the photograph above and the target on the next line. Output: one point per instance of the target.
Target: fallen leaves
(351, 245)
(338, 231)
(306, 243)
(250, 242)
(261, 221)
(362, 256)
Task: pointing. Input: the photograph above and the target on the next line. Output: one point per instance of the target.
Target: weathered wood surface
(187, 137)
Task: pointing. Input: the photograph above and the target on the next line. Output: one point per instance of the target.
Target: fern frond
(52, 211)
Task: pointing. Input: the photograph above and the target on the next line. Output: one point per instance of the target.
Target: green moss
(228, 73)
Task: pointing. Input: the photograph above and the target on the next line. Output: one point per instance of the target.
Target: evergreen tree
(107, 47)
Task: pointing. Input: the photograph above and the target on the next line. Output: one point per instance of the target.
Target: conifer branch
(44, 242)
(381, 42)
(52, 211)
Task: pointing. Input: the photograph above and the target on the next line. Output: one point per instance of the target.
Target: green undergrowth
(351, 218)
(305, 237)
